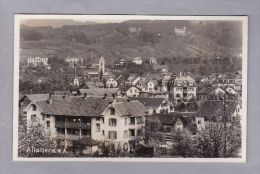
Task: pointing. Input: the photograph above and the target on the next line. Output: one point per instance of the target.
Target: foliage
(219, 140)
(35, 141)
(183, 145)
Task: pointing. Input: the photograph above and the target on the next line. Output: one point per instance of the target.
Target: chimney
(50, 98)
(114, 98)
(85, 95)
(105, 96)
(65, 95)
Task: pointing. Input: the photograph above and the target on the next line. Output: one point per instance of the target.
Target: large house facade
(184, 87)
(71, 118)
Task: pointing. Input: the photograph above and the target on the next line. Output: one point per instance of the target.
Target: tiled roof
(214, 109)
(73, 106)
(37, 97)
(150, 102)
(187, 107)
(184, 79)
(99, 92)
(133, 108)
(207, 90)
(172, 118)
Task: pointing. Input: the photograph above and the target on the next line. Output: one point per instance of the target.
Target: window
(98, 119)
(132, 120)
(34, 107)
(33, 118)
(48, 123)
(178, 95)
(152, 127)
(199, 122)
(168, 129)
(125, 134)
(132, 132)
(139, 120)
(112, 122)
(103, 132)
(112, 111)
(85, 132)
(61, 130)
(112, 135)
(125, 121)
(47, 116)
(139, 132)
(98, 127)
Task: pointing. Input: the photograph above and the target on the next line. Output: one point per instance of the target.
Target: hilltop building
(138, 61)
(180, 31)
(36, 61)
(74, 60)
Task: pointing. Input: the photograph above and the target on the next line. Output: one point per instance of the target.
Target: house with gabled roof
(156, 105)
(206, 92)
(77, 117)
(218, 110)
(122, 124)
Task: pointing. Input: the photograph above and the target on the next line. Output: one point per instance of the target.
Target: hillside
(114, 41)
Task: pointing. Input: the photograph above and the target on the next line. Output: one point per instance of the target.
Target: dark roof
(73, 106)
(187, 107)
(207, 90)
(131, 87)
(172, 118)
(132, 108)
(37, 97)
(99, 92)
(149, 102)
(213, 109)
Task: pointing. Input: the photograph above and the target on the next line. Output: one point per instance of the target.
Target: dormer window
(112, 111)
(34, 107)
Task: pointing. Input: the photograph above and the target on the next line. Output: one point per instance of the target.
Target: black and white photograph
(130, 88)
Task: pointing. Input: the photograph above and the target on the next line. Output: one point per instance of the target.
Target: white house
(132, 91)
(156, 105)
(122, 123)
(180, 31)
(152, 60)
(74, 60)
(138, 60)
(35, 61)
(111, 82)
(184, 87)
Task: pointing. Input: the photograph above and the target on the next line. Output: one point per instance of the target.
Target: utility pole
(225, 128)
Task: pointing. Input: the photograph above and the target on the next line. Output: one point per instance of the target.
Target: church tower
(101, 68)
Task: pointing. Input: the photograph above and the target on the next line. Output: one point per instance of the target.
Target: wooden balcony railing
(70, 136)
(72, 125)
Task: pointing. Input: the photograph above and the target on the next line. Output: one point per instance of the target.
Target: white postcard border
(104, 18)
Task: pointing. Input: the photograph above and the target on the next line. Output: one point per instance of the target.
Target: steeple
(101, 65)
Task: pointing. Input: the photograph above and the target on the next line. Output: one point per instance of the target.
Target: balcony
(70, 136)
(73, 125)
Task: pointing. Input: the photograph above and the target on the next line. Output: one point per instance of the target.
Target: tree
(183, 145)
(219, 141)
(35, 141)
